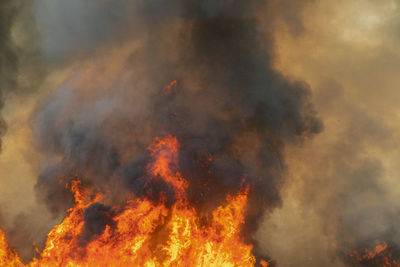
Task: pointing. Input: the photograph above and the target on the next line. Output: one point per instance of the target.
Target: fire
(165, 152)
(379, 255)
(169, 88)
(8, 256)
(145, 233)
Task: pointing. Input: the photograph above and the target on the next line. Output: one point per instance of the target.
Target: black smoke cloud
(229, 103)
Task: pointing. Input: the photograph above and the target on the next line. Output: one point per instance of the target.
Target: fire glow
(146, 233)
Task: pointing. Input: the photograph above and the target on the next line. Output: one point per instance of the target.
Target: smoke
(96, 218)
(228, 104)
(20, 70)
(342, 193)
(21, 74)
(8, 56)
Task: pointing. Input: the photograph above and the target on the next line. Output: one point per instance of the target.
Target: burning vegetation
(380, 255)
(144, 233)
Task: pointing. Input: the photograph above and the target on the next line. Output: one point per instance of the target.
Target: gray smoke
(8, 55)
(21, 70)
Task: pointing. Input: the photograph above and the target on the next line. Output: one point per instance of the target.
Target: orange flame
(165, 152)
(379, 253)
(148, 234)
(168, 89)
(8, 256)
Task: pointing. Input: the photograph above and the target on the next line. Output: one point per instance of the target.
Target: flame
(169, 88)
(379, 254)
(8, 256)
(145, 233)
(165, 152)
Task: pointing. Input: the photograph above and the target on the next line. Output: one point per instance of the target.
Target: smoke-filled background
(296, 100)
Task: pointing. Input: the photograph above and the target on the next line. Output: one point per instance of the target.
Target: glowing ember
(148, 234)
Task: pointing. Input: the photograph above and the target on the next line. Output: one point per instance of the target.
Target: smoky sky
(342, 194)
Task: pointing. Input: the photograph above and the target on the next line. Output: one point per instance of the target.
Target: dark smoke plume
(228, 103)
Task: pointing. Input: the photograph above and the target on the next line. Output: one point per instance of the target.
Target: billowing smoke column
(231, 112)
